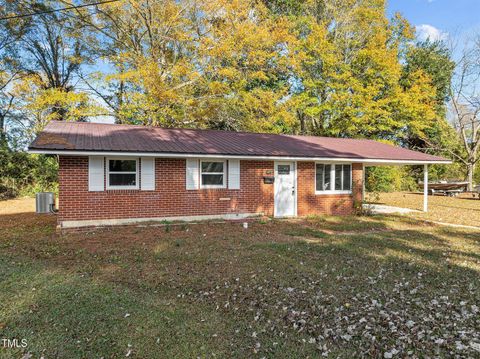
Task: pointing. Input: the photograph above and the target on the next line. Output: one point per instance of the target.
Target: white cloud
(426, 31)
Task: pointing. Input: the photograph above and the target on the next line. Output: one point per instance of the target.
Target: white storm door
(284, 189)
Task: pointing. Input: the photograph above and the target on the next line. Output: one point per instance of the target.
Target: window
(338, 177)
(347, 178)
(122, 174)
(333, 178)
(212, 174)
(283, 169)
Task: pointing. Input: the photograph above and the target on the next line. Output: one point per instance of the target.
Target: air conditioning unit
(45, 202)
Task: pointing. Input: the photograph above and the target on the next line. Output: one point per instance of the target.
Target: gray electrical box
(45, 202)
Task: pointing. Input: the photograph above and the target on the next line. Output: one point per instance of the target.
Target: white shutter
(234, 174)
(148, 174)
(96, 173)
(192, 173)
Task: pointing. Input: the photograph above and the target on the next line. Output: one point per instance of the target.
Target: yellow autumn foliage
(330, 68)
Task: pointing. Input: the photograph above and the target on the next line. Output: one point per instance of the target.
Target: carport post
(425, 188)
(363, 183)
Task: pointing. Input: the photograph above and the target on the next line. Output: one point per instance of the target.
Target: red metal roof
(95, 137)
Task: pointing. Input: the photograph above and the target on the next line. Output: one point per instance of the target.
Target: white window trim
(137, 175)
(210, 186)
(332, 179)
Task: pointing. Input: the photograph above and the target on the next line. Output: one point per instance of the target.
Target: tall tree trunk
(120, 93)
(3, 115)
(301, 117)
(470, 173)
(3, 135)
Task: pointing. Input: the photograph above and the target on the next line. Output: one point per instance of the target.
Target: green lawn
(332, 287)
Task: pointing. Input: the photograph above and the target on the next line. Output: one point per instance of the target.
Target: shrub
(393, 178)
(23, 174)
(382, 179)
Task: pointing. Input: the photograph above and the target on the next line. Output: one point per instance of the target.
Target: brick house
(121, 174)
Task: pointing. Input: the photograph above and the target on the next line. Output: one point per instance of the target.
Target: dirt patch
(18, 205)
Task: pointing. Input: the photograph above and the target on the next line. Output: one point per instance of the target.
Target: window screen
(327, 182)
(323, 176)
(122, 173)
(213, 174)
(347, 177)
(319, 177)
(340, 175)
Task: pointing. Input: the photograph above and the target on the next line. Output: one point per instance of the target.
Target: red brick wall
(171, 199)
(337, 204)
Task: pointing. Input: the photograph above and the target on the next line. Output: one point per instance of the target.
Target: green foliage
(390, 179)
(23, 174)
(380, 179)
(286, 7)
(453, 172)
(406, 178)
(434, 59)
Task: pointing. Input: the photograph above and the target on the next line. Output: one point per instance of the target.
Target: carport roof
(83, 138)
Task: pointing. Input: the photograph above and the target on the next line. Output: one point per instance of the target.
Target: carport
(407, 163)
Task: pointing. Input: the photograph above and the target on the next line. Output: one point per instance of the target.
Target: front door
(284, 189)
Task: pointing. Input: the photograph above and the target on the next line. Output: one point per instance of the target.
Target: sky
(439, 19)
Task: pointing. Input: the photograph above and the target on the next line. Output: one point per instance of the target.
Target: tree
(193, 63)
(348, 74)
(465, 108)
(10, 33)
(49, 51)
(460, 137)
(318, 67)
(433, 59)
(6, 102)
(325, 67)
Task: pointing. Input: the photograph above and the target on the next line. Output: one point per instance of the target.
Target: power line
(56, 10)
